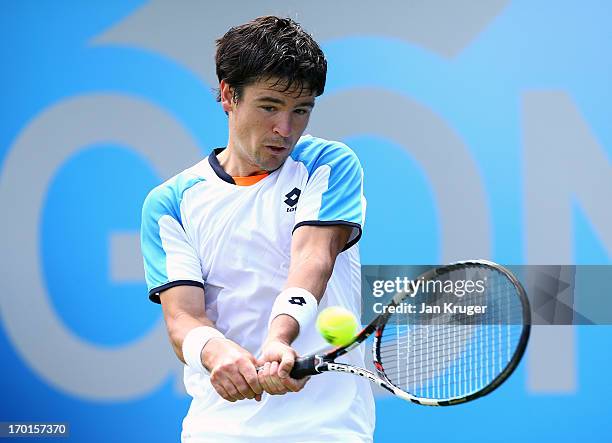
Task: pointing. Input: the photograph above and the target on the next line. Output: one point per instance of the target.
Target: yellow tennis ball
(337, 325)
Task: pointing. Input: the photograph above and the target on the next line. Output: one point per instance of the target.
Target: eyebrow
(308, 103)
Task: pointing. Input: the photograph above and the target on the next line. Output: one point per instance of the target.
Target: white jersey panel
(182, 262)
(310, 204)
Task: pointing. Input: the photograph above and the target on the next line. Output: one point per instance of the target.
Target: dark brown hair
(270, 47)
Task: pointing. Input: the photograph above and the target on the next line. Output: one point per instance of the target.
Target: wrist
(284, 329)
(299, 307)
(194, 343)
(210, 351)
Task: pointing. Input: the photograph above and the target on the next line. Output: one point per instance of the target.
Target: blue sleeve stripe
(342, 200)
(163, 200)
(335, 179)
(343, 196)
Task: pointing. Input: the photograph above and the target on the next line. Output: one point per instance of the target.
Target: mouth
(276, 149)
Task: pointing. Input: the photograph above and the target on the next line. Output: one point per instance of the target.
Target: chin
(273, 164)
(272, 167)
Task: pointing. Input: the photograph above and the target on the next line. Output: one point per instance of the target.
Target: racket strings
(423, 340)
(423, 352)
(450, 356)
(441, 361)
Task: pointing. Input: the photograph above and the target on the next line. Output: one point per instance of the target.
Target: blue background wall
(483, 128)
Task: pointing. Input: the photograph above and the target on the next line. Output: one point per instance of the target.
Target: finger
(290, 384)
(286, 365)
(243, 387)
(231, 390)
(266, 380)
(219, 383)
(275, 379)
(249, 373)
(272, 378)
(229, 378)
(295, 385)
(264, 376)
(236, 379)
(258, 362)
(223, 392)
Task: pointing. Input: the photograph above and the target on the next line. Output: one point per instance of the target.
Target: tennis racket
(446, 356)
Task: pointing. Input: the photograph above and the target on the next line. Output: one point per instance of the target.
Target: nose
(282, 125)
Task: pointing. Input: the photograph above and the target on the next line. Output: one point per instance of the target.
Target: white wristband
(194, 342)
(298, 303)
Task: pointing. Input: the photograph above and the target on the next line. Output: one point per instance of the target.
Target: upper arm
(181, 301)
(184, 310)
(313, 253)
(326, 241)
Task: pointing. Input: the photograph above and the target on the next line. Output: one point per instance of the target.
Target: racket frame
(316, 364)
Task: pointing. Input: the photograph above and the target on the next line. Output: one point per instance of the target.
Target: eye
(302, 111)
(268, 108)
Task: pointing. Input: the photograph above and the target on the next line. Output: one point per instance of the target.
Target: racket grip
(303, 367)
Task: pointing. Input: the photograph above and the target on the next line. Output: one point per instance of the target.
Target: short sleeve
(333, 194)
(169, 257)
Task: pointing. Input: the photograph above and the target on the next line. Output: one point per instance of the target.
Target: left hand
(277, 360)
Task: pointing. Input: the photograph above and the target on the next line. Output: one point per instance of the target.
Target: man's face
(266, 123)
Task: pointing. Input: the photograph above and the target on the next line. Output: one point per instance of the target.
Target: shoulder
(314, 152)
(166, 198)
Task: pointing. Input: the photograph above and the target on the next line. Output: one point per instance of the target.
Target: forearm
(313, 255)
(310, 271)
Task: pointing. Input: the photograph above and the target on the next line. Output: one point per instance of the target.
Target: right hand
(232, 369)
(277, 360)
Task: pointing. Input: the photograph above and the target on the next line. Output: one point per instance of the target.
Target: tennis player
(244, 247)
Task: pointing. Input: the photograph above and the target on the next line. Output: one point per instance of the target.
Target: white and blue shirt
(199, 228)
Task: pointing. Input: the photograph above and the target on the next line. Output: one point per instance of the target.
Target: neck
(236, 166)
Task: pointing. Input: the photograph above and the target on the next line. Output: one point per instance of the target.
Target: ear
(227, 94)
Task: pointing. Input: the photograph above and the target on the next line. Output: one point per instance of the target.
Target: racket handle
(303, 367)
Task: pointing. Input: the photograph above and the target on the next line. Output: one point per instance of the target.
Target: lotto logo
(297, 301)
(292, 197)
